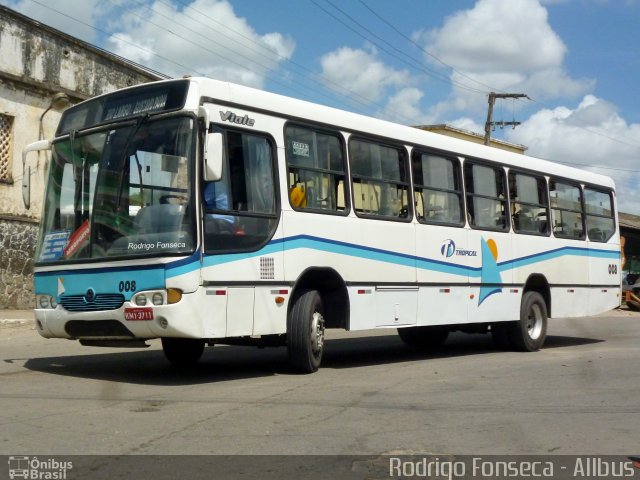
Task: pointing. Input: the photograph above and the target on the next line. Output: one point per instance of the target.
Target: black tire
(528, 334)
(305, 332)
(424, 337)
(182, 352)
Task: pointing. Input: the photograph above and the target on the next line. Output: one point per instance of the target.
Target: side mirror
(26, 171)
(214, 150)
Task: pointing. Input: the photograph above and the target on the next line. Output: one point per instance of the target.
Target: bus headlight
(158, 298)
(46, 301)
(140, 300)
(43, 301)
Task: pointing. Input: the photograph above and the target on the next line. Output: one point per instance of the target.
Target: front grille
(102, 301)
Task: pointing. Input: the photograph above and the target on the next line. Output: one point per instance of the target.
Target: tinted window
(600, 217)
(380, 180)
(438, 191)
(486, 196)
(529, 205)
(241, 208)
(567, 220)
(316, 170)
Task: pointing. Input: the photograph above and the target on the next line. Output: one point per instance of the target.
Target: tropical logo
(448, 248)
(490, 277)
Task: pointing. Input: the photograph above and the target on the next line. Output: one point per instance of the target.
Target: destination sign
(147, 98)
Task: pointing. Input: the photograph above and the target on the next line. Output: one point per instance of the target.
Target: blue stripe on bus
(387, 256)
(192, 263)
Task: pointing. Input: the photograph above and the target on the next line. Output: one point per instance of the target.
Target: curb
(16, 318)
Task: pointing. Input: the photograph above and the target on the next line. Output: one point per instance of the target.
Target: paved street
(579, 395)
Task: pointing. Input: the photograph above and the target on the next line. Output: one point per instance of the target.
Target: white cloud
(499, 36)
(507, 46)
(207, 37)
(404, 108)
(590, 135)
(360, 73)
(84, 13)
(131, 49)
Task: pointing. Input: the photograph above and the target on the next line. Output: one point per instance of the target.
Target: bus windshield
(120, 192)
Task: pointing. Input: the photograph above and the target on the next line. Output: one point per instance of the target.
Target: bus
(202, 212)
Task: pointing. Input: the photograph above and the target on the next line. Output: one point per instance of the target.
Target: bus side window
(529, 203)
(438, 189)
(380, 180)
(486, 197)
(567, 215)
(316, 170)
(600, 215)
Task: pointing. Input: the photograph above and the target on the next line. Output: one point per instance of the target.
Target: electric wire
(620, 140)
(436, 75)
(360, 99)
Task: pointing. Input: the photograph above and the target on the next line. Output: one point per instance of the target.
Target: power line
(593, 130)
(364, 101)
(424, 50)
(307, 72)
(489, 123)
(432, 73)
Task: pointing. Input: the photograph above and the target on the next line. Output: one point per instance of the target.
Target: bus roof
(291, 108)
(249, 98)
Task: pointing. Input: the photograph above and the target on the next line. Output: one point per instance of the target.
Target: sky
(414, 62)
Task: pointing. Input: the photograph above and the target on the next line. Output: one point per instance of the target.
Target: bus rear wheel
(529, 333)
(305, 332)
(182, 352)
(424, 337)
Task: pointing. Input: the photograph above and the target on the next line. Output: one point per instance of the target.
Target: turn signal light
(174, 295)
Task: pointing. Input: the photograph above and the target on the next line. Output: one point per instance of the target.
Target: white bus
(203, 212)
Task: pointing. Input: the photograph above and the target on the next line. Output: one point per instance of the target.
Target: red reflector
(361, 292)
(445, 290)
(283, 292)
(221, 292)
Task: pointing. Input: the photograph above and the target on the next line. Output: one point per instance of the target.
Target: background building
(42, 70)
(472, 137)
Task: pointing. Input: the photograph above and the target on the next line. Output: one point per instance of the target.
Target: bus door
(241, 262)
(441, 239)
(385, 233)
(492, 296)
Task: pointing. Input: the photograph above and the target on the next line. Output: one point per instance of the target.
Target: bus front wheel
(305, 332)
(528, 334)
(182, 352)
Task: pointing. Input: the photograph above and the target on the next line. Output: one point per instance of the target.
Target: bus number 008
(613, 269)
(128, 286)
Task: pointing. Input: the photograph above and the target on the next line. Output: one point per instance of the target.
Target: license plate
(142, 313)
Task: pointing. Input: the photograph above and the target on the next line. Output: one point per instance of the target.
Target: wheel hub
(317, 332)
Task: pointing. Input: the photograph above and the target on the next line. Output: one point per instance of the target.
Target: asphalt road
(372, 395)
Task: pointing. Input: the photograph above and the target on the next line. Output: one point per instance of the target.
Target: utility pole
(490, 123)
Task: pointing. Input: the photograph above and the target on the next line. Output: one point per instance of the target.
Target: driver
(216, 196)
